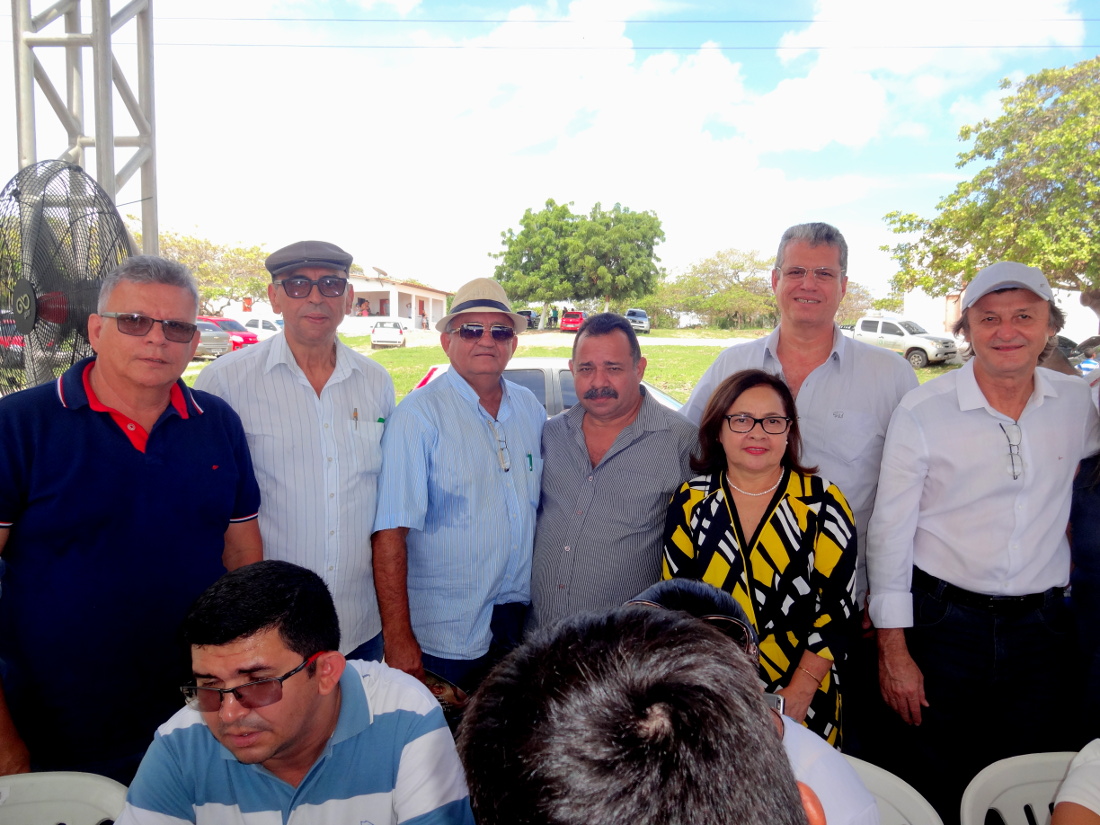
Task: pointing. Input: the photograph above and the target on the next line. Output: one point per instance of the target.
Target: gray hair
(1056, 321)
(605, 323)
(815, 234)
(148, 269)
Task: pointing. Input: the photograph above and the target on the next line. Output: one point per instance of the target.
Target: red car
(571, 321)
(238, 336)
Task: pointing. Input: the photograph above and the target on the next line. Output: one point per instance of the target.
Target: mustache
(600, 392)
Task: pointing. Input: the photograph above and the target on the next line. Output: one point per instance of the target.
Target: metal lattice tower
(29, 34)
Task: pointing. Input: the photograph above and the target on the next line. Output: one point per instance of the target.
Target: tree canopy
(225, 273)
(1034, 200)
(561, 256)
(731, 290)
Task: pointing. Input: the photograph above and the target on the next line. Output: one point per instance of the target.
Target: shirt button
(590, 478)
(326, 426)
(130, 427)
(578, 512)
(332, 495)
(332, 532)
(566, 549)
(331, 568)
(330, 458)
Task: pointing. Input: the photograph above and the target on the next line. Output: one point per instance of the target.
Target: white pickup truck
(913, 341)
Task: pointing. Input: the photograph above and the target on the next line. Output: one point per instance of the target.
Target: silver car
(212, 340)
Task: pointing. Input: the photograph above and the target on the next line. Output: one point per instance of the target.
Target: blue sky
(413, 133)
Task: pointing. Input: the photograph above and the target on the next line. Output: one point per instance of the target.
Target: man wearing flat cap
(314, 411)
(460, 486)
(968, 557)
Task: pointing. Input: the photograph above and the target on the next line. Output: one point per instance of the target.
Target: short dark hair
(711, 457)
(815, 234)
(148, 269)
(1056, 322)
(604, 323)
(634, 717)
(266, 595)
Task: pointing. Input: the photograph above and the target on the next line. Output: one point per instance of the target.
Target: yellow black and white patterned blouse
(802, 562)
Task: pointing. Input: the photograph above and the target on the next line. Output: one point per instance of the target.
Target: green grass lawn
(674, 369)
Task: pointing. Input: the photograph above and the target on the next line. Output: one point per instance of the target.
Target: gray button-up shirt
(598, 537)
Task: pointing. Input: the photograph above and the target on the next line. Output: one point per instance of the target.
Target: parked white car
(263, 327)
(388, 334)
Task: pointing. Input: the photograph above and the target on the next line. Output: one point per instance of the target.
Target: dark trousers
(507, 629)
(999, 682)
(369, 651)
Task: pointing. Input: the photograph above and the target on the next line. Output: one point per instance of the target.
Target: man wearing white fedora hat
(461, 474)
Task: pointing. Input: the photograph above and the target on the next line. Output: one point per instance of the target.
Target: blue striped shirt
(467, 485)
(390, 760)
(317, 460)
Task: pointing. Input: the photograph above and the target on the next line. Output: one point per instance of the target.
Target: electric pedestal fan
(59, 236)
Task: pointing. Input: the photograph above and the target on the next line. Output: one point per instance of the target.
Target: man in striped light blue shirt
(460, 483)
(280, 728)
(313, 411)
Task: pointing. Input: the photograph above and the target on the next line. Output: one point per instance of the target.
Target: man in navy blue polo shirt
(123, 495)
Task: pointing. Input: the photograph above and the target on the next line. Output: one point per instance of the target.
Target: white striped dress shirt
(317, 461)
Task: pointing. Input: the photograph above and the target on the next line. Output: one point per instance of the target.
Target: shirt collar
(279, 354)
(841, 343)
(971, 397)
(72, 394)
(463, 388)
(650, 416)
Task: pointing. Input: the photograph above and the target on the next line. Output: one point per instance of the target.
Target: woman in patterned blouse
(779, 539)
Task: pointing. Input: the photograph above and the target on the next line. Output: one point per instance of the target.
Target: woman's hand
(800, 690)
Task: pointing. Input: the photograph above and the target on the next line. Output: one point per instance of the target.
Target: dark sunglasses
(735, 629)
(258, 694)
(298, 287)
(132, 323)
(473, 332)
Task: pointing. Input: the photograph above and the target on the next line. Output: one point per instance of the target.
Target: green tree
(560, 256)
(225, 273)
(613, 254)
(731, 290)
(1034, 199)
(891, 303)
(857, 302)
(534, 266)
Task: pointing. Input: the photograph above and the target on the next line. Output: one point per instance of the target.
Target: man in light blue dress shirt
(461, 474)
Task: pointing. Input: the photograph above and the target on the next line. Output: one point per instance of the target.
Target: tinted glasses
(472, 332)
(250, 695)
(132, 323)
(298, 287)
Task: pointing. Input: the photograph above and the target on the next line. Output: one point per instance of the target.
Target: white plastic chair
(51, 798)
(899, 803)
(1014, 787)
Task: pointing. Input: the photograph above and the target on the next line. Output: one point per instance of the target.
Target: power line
(632, 48)
(497, 21)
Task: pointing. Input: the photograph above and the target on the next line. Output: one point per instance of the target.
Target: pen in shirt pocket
(355, 417)
(530, 464)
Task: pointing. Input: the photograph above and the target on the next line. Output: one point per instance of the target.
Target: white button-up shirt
(317, 461)
(844, 407)
(948, 501)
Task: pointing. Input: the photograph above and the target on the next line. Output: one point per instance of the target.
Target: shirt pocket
(364, 442)
(846, 435)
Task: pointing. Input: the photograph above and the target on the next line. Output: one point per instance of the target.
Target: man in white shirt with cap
(968, 557)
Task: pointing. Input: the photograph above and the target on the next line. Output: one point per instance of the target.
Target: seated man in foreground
(635, 717)
(277, 720)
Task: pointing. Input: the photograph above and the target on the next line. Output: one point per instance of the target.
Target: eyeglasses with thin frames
(299, 286)
(732, 627)
(820, 273)
(134, 323)
(1015, 461)
(257, 694)
(772, 425)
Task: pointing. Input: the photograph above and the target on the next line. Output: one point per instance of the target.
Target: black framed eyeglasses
(1015, 461)
(258, 694)
(772, 425)
(298, 286)
(473, 332)
(134, 323)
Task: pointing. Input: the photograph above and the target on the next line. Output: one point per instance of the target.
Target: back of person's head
(635, 717)
(705, 602)
(267, 595)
